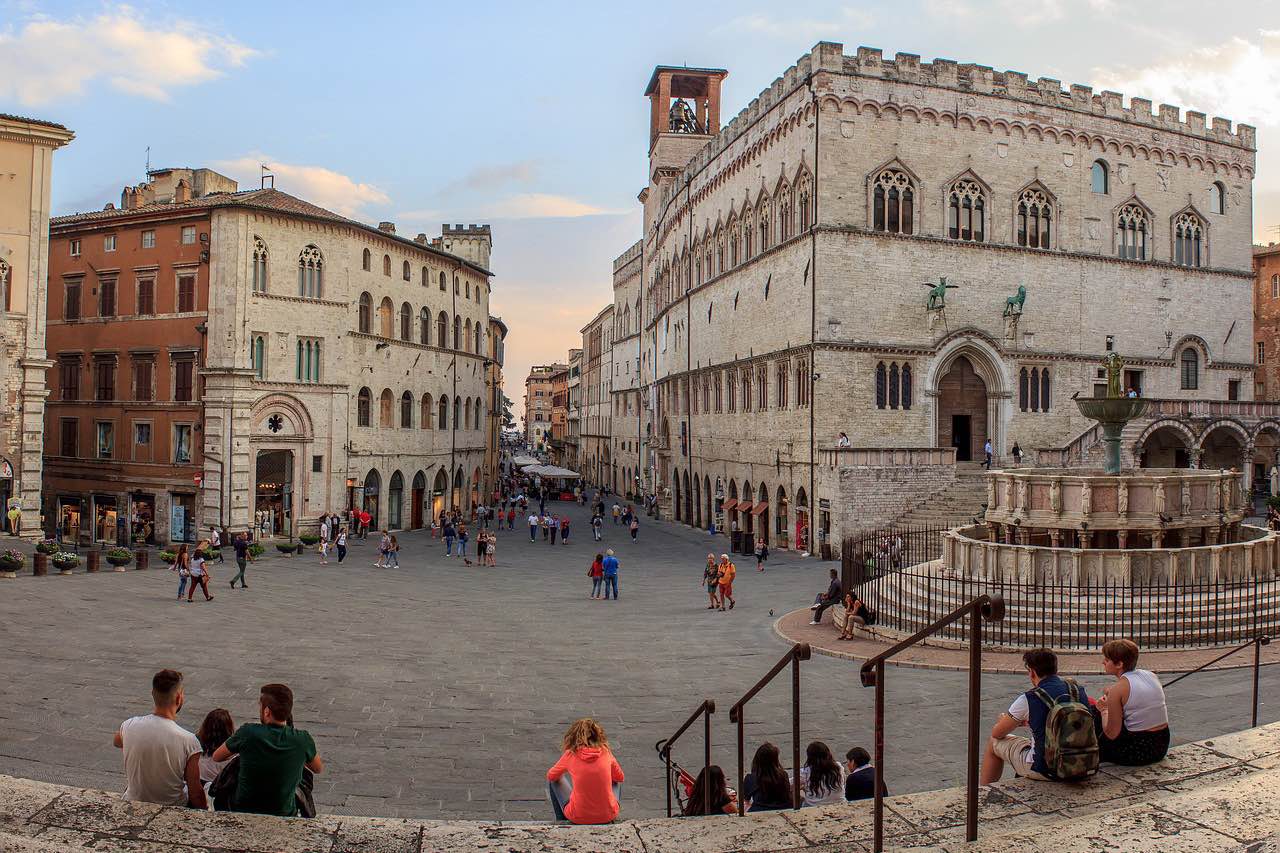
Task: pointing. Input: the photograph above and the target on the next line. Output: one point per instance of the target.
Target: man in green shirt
(272, 755)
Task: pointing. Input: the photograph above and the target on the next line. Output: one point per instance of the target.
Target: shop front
(108, 524)
(70, 510)
(182, 517)
(142, 519)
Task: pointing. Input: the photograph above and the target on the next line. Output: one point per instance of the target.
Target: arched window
(427, 415)
(966, 211)
(366, 261)
(1035, 217)
(466, 414)
(748, 228)
(1132, 230)
(467, 336)
(1188, 239)
(1100, 178)
(386, 317)
(442, 282)
(259, 266)
(395, 502)
(406, 322)
(478, 414)
(311, 273)
(782, 381)
(406, 410)
(386, 265)
(882, 386)
(1190, 369)
(803, 196)
(444, 413)
(467, 288)
(1217, 197)
(746, 389)
(1033, 389)
(259, 356)
(363, 402)
(457, 331)
(366, 313)
(424, 326)
(733, 243)
(763, 223)
(786, 216)
(893, 203)
(479, 339)
(906, 386)
(1024, 394)
(442, 330)
(406, 273)
(894, 388)
(308, 360)
(1044, 389)
(457, 411)
(426, 277)
(1275, 286)
(385, 406)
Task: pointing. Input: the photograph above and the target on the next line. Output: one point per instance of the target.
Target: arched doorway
(372, 486)
(688, 500)
(745, 504)
(761, 511)
(697, 502)
(732, 520)
(675, 503)
(781, 514)
(1266, 452)
(1222, 447)
(802, 520)
(1165, 447)
(707, 514)
(962, 410)
(395, 502)
(438, 490)
(274, 492)
(475, 488)
(419, 496)
(456, 498)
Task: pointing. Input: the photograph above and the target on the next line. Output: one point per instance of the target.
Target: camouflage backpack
(1070, 741)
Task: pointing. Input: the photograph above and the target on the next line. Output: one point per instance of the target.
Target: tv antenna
(148, 160)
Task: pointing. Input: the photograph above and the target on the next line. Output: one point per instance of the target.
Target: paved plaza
(442, 690)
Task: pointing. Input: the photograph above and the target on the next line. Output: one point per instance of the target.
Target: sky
(532, 117)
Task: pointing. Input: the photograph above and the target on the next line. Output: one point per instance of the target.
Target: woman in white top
(821, 777)
(1134, 718)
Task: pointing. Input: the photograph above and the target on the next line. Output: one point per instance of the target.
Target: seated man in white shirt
(162, 759)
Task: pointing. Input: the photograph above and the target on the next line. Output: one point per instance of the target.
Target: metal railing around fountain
(889, 549)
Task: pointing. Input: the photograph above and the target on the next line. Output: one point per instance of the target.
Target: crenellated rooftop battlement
(628, 256)
(974, 79)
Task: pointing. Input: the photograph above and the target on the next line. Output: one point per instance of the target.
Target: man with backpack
(1063, 745)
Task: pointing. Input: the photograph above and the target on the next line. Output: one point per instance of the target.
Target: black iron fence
(888, 569)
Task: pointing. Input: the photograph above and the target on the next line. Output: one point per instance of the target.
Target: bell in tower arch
(682, 119)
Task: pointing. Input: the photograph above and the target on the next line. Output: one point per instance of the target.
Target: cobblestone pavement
(442, 690)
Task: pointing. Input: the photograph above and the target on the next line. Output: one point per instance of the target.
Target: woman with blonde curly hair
(584, 784)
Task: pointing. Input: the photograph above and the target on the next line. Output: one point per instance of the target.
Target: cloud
(1237, 79)
(517, 206)
(788, 27)
(1022, 13)
(47, 60)
(494, 177)
(316, 184)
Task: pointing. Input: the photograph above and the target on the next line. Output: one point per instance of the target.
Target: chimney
(182, 192)
(387, 227)
(108, 206)
(421, 239)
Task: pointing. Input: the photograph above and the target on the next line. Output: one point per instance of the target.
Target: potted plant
(308, 540)
(11, 561)
(64, 561)
(48, 546)
(168, 557)
(287, 548)
(119, 556)
(257, 550)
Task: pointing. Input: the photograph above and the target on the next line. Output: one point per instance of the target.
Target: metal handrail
(797, 653)
(705, 710)
(1257, 643)
(984, 608)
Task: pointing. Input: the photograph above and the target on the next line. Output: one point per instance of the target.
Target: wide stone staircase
(957, 504)
(1219, 794)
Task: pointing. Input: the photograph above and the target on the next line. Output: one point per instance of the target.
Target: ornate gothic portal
(962, 411)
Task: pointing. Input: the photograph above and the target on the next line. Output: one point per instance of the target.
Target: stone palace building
(923, 257)
(247, 358)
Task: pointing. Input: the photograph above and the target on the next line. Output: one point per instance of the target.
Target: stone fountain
(1113, 411)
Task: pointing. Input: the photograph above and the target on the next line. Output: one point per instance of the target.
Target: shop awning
(744, 507)
(729, 504)
(759, 508)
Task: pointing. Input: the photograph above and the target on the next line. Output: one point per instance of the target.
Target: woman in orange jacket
(584, 784)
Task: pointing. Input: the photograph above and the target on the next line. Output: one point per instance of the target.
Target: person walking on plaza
(533, 527)
(596, 523)
(161, 759)
(393, 553)
(610, 567)
(635, 528)
(15, 521)
(987, 450)
(511, 518)
(617, 512)
(182, 565)
(762, 554)
(449, 534)
(199, 576)
(241, 546)
(711, 580)
(491, 549)
(1017, 455)
(365, 520)
(462, 542)
(383, 544)
(340, 542)
(728, 571)
(564, 530)
(215, 542)
(553, 527)
(596, 573)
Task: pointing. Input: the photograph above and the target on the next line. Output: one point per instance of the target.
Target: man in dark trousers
(830, 597)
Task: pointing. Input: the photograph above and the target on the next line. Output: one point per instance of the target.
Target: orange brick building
(1266, 322)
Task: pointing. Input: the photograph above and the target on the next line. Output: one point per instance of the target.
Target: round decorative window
(275, 423)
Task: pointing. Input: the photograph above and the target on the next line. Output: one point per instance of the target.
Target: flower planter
(9, 568)
(287, 548)
(119, 558)
(65, 562)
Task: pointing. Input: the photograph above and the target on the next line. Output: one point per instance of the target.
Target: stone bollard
(93, 561)
(40, 565)
(140, 558)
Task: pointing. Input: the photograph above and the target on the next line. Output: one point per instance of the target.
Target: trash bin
(735, 541)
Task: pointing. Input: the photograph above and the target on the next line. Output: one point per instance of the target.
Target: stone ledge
(1217, 794)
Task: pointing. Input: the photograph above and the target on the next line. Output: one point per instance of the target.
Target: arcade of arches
(760, 512)
(1224, 444)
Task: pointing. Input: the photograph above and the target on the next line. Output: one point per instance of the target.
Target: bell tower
(684, 112)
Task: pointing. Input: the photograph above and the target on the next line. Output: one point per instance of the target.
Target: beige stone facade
(493, 437)
(597, 401)
(785, 254)
(537, 405)
(26, 170)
